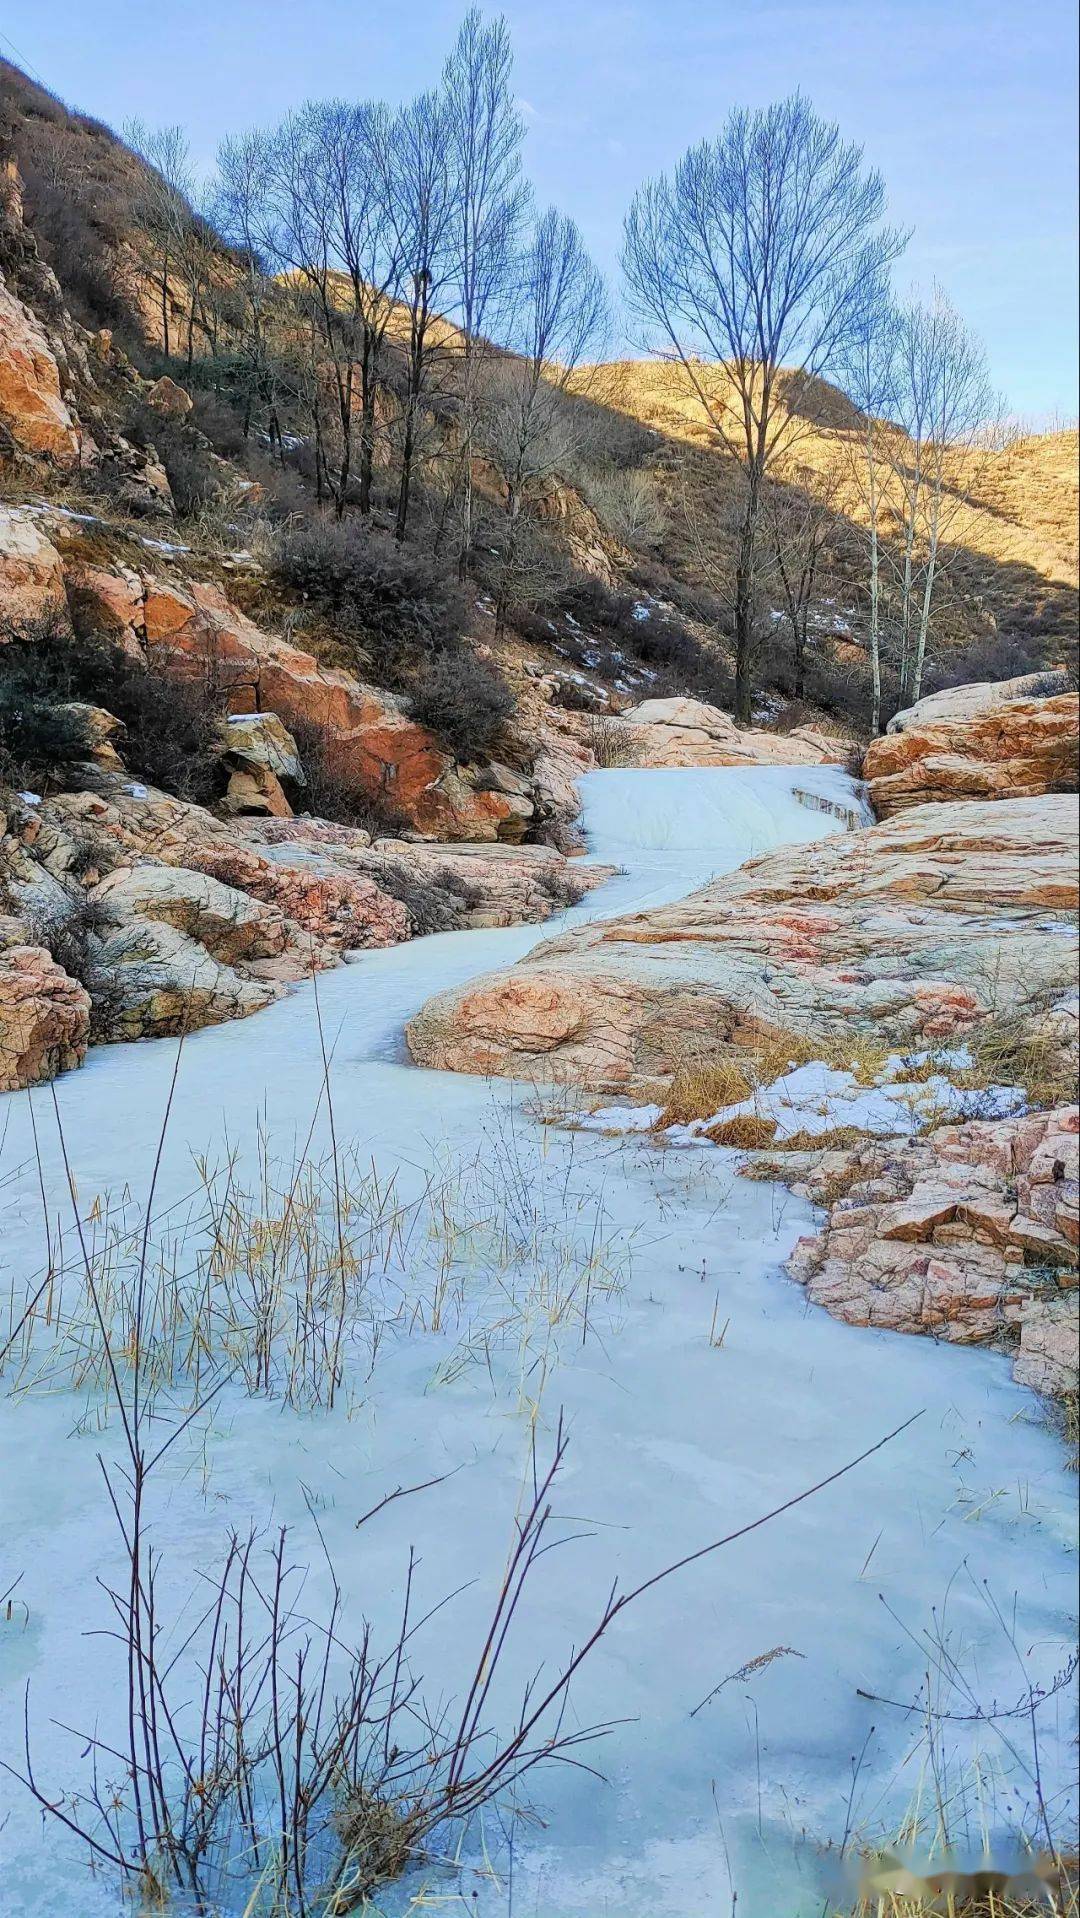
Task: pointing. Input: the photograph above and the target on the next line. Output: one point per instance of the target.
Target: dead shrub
(395, 606)
(838, 1138)
(329, 795)
(434, 901)
(610, 742)
(562, 888)
(466, 701)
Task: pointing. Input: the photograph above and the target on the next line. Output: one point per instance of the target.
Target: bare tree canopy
(490, 198)
(756, 255)
(943, 400)
(561, 315)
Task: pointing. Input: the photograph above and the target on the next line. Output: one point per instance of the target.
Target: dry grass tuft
(838, 1138)
(704, 1086)
(864, 1057)
(982, 1898)
(774, 1053)
(747, 1131)
(377, 1836)
(705, 1083)
(1018, 1052)
(1068, 1411)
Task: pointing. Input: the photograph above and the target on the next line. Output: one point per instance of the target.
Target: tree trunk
(408, 444)
(744, 604)
(367, 422)
(165, 306)
(875, 583)
(875, 632)
(466, 515)
(407, 448)
(924, 610)
(800, 656)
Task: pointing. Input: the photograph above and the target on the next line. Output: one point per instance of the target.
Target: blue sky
(967, 106)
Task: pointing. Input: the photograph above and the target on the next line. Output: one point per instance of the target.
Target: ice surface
(678, 1436)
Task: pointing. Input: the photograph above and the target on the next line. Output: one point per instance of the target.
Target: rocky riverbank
(944, 934)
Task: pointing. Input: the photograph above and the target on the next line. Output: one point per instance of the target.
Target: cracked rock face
(185, 629)
(44, 1017)
(969, 1234)
(160, 981)
(31, 571)
(976, 742)
(32, 406)
(908, 932)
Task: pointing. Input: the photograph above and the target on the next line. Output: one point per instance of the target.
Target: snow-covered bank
(700, 1391)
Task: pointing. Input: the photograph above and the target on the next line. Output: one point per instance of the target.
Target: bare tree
(870, 380)
(356, 143)
(240, 196)
(488, 199)
(950, 419)
(303, 220)
(803, 516)
(163, 205)
(562, 315)
(420, 201)
(755, 255)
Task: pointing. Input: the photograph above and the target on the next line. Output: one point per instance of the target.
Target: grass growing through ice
(293, 1277)
(968, 1755)
(265, 1760)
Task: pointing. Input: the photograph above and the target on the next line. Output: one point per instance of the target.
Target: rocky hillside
(639, 499)
(205, 673)
(204, 800)
(1012, 560)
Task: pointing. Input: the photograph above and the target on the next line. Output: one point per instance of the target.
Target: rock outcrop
(688, 732)
(969, 1234)
(32, 585)
(977, 742)
(179, 919)
(33, 411)
(909, 932)
(44, 1015)
(189, 629)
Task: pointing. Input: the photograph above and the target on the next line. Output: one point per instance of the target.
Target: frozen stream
(676, 1439)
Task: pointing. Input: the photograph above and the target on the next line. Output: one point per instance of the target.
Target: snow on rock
(817, 1098)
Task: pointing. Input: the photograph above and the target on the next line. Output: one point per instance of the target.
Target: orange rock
(31, 571)
(996, 750)
(173, 402)
(370, 741)
(903, 933)
(107, 602)
(31, 405)
(44, 1018)
(932, 1235)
